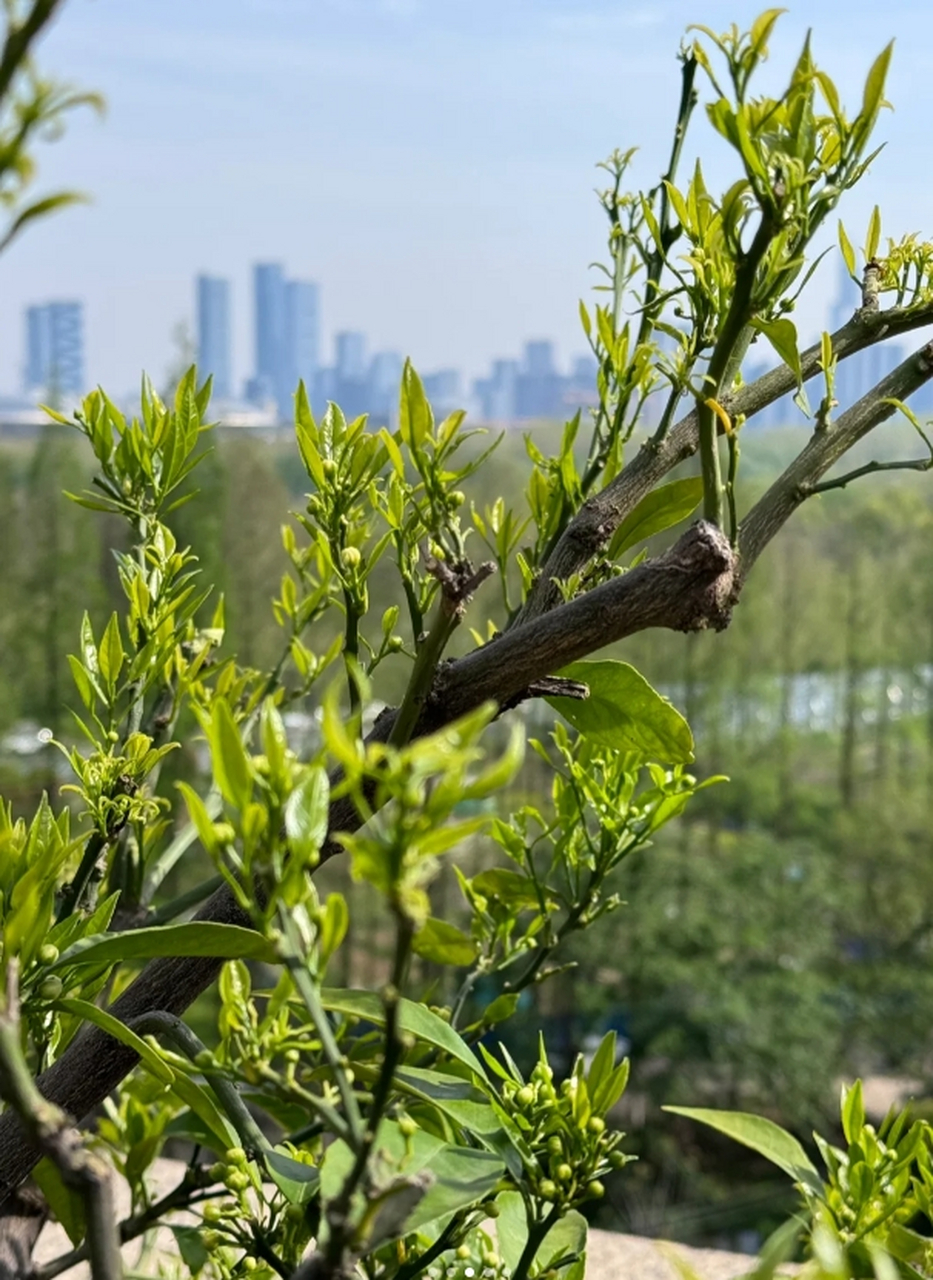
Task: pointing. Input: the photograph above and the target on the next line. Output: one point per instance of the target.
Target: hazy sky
(429, 162)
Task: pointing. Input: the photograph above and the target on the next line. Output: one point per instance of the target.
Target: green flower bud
(329, 467)
(204, 1059)
(350, 557)
(211, 1240)
(555, 1145)
(547, 1189)
(407, 1127)
(48, 953)
(238, 1180)
(235, 1155)
(595, 1124)
(463, 1251)
(525, 1096)
(596, 1189)
(564, 1171)
(224, 833)
(50, 988)
(491, 1209)
(216, 1172)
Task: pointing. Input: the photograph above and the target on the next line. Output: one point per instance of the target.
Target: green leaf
(657, 511)
(111, 653)
(297, 1182)
(197, 1098)
(852, 1111)
(414, 1018)
(65, 1203)
(848, 253)
(873, 237)
(463, 1177)
(782, 334)
(231, 766)
(193, 1251)
(415, 419)
(306, 814)
(624, 712)
(443, 943)
(195, 938)
(873, 95)
(761, 1135)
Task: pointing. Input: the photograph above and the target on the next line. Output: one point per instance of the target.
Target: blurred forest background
(776, 940)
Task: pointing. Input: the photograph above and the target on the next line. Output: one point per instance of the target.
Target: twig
(870, 468)
(52, 1134)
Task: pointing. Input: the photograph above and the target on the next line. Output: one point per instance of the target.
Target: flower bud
(350, 557)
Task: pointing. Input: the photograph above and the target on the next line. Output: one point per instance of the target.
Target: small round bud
(491, 1209)
(525, 1096)
(329, 467)
(350, 557)
(295, 1213)
(596, 1189)
(292, 1055)
(564, 1171)
(595, 1124)
(395, 643)
(224, 833)
(463, 1251)
(216, 1172)
(617, 1159)
(407, 1127)
(211, 1240)
(48, 953)
(555, 1145)
(547, 1189)
(238, 1180)
(212, 1212)
(490, 1258)
(235, 1155)
(50, 988)
(457, 498)
(204, 1059)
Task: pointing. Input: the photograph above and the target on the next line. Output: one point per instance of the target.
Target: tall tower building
(302, 335)
(214, 339)
(269, 287)
(55, 348)
(287, 335)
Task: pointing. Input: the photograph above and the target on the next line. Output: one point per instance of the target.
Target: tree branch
(690, 587)
(599, 517)
(824, 449)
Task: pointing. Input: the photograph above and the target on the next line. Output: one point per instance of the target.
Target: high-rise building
(287, 334)
(214, 339)
(269, 287)
(351, 356)
(302, 334)
(55, 348)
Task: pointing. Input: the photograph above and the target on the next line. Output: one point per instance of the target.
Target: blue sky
(430, 162)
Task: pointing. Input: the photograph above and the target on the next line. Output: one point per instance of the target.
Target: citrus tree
(339, 1131)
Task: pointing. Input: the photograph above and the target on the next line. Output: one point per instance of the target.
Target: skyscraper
(269, 286)
(302, 334)
(214, 342)
(55, 348)
(287, 334)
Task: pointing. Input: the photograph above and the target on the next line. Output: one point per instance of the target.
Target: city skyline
(447, 207)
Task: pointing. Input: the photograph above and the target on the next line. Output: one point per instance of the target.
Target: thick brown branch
(688, 588)
(599, 517)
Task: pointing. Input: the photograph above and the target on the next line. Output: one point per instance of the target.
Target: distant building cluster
(287, 340)
(287, 335)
